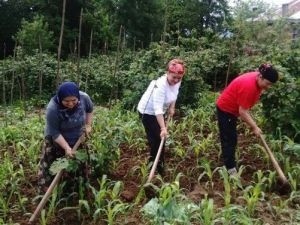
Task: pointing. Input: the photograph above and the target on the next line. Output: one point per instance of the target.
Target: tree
(11, 14)
(35, 35)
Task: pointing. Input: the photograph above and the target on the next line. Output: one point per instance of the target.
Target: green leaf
(58, 165)
(151, 208)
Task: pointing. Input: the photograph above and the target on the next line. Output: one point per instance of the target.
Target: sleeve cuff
(158, 111)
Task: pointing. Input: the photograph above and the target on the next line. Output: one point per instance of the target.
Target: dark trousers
(152, 129)
(228, 135)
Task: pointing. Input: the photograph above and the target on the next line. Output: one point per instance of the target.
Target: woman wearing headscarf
(69, 113)
(160, 96)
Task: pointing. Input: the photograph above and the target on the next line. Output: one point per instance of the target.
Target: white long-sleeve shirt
(158, 96)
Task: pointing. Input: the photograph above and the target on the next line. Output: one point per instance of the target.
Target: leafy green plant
(170, 206)
(206, 165)
(206, 213)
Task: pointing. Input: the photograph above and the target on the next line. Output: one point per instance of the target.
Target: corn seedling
(206, 165)
(278, 207)
(103, 193)
(207, 214)
(144, 169)
(225, 176)
(114, 208)
(252, 194)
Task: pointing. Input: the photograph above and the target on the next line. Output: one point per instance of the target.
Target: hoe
(284, 186)
(52, 185)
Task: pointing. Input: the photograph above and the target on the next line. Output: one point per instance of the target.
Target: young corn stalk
(100, 196)
(252, 194)
(143, 168)
(206, 165)
(207, 213)
(114, 208)
(227, 195)
(52, 206)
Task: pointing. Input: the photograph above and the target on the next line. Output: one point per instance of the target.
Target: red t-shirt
(242, 91)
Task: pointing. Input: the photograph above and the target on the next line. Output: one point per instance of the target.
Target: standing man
(236, 100)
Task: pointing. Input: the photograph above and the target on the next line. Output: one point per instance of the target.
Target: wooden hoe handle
(156, 160)
(157, 155)
(52, 185)
(273, 160)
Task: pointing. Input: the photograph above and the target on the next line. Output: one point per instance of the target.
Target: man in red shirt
(237, 98)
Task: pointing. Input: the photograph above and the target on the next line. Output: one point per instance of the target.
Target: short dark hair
(268, 72)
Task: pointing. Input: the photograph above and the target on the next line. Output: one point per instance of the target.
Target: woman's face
(173, 78)
(70, 102)
(263, 84)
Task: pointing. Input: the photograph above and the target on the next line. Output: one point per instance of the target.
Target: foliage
(34, 35)
(281, 107)
(170, 207)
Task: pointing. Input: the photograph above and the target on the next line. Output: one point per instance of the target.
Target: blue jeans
(228, 135)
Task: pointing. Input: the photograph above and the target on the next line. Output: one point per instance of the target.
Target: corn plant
(252, 194)
(206, 214)
(227, 195)
(4, 206)
(278, 206)
(116, 190)
(52, 205)
(208, 172)
(83, 205)
(144, 172)
(270, 179)
(114, 208)
(100, 196)
(235, 214)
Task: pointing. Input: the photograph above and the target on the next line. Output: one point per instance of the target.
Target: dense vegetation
(113, 49)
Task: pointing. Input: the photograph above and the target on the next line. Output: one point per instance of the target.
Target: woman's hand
(171, 112)
(163, 132)
(69, 152)
(88, 129)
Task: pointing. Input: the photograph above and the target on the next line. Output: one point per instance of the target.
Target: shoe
(232, 171)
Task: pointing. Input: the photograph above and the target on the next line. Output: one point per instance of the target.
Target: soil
(126, 172)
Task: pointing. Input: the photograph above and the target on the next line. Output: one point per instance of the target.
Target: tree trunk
(40, 78)
(114, 90)
(90, 54)
(79, 43)
(58, 79)
(13, 77)
(165, 21)
(91, 44)
(4, 81)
